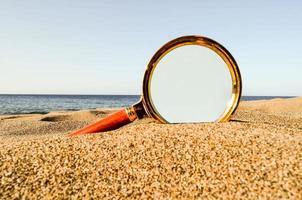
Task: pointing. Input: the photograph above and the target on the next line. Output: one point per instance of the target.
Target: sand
(258, 155)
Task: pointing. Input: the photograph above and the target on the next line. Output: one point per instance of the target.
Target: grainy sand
(256, 155)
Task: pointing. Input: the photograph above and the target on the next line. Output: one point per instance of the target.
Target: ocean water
(25, 104)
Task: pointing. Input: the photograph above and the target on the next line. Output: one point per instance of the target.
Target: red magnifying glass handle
(113, 121)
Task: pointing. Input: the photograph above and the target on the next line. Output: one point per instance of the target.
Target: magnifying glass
(190, 79)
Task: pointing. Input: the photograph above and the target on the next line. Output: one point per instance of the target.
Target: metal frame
(193, 40)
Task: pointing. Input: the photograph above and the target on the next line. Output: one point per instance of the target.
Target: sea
(11, 104)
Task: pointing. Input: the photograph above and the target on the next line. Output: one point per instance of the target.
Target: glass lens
(191, 83)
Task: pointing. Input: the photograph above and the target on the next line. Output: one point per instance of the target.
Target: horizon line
(126, 95)
(67, 94)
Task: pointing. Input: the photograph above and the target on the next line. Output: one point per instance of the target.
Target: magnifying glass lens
(191, 83)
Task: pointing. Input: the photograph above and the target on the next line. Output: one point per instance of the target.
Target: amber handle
(113, 121)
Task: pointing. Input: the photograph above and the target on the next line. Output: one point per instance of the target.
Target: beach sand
(258, 154)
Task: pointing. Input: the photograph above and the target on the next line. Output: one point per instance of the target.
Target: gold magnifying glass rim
(193, 40)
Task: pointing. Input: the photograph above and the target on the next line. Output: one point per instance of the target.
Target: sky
(103, 47)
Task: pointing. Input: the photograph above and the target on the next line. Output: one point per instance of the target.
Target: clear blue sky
(103, 47)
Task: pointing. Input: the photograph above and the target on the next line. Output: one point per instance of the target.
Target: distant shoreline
(18, 104)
